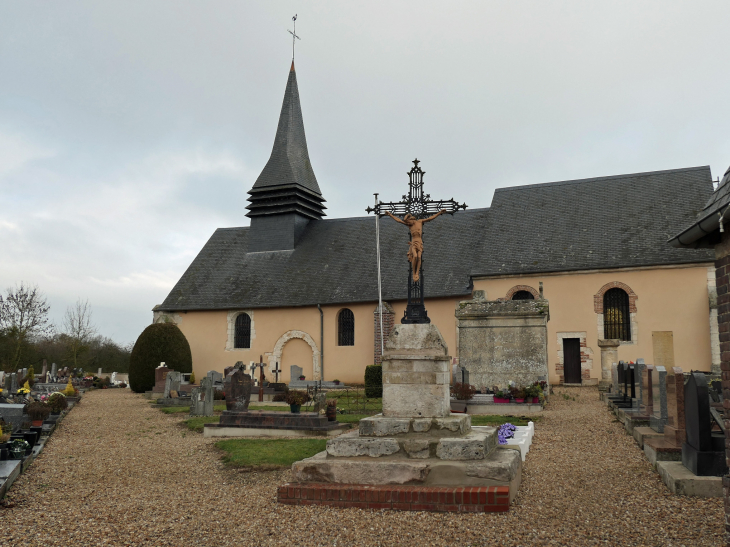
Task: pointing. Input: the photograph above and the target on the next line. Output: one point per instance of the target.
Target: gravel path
(120, 473)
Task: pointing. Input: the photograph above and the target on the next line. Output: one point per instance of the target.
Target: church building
(299, 289)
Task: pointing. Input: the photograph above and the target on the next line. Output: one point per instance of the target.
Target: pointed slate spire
(287, 183)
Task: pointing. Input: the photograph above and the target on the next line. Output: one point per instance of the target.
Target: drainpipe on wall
(321, 342)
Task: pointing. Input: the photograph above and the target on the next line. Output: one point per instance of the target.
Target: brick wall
(388, 324)
(722, 272)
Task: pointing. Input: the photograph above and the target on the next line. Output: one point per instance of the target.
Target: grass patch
(496, 419)
(351, 418)
(268, 453)
(197, 423)
(175, 409)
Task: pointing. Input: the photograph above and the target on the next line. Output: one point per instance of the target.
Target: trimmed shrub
(160, 342)
(463, 392)
(373, 381)
(57, 402)
(192, 378)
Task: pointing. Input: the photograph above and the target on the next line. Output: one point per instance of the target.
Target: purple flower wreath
(506, 431)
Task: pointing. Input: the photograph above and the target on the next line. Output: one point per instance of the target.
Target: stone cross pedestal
(416, 441)
(609, 356)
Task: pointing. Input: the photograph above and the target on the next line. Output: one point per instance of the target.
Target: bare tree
(23, 315)
(77, 326)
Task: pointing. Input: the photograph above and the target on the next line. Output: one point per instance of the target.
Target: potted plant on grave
(57, 402)
(18, 449)
(463, 392)
(331, 412)
(296, 399)
(501, 397)
(336, 382)
(518, 393)
(301, 377)
(38, 411)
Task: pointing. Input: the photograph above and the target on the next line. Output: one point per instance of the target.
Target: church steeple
(287, 184)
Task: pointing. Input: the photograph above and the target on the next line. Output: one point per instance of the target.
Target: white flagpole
(380, 289)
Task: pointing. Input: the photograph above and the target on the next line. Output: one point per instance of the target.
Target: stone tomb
(160, 378)
(659, 399)
(503, 341)
(416, 447)
(704, 451)
(238, 421)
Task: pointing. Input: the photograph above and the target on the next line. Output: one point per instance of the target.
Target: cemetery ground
(118, 472)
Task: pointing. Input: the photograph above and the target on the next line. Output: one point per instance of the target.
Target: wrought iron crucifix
(294, 36)
(416, 209)
(260, 365)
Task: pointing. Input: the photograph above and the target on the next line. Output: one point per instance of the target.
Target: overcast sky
(130, 131)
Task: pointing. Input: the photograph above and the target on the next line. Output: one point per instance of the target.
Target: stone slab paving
(117, 472)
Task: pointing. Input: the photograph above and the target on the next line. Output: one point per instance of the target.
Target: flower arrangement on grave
(58, 403)
(37, 410)
(501, 396)
(24, 390)
(533, 392)
(463, 392)
(505, 431)
(70, 391)
(336, 382)
(296, 398)
(18, 447)
(518, 393)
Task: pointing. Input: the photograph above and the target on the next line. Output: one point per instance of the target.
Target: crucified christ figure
(415, 246)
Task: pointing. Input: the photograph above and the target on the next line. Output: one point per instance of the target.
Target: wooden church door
(571, 360)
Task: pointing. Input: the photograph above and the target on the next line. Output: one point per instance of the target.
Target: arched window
(346, 328)
(616, 315)
(242, 337)
(523, 295)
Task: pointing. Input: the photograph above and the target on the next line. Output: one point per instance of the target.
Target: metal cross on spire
(294, 36)
(416, 209)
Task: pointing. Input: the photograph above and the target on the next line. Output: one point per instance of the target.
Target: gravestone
(614, 379)
(13, 383)
(296, 372)
(54, 372)
(320, 402)
(7, 385)
(44, 370)
(647, 406)
(215, 377)
(704, 451)
(674, 430)
(459, 375)
(172, 382)
(114, 378)
(658, 419)
(2, 378)
(161, 373)
(99, 372)
(639, 376)
(238, 390)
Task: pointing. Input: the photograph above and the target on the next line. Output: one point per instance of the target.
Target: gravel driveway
(120, 473)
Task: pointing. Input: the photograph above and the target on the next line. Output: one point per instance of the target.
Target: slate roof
(708, 220)
(607, 222)
(289, 161)
(333, 262)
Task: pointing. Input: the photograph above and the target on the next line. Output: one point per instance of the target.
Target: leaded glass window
(616, 315)
(242, 338)
(346, 328)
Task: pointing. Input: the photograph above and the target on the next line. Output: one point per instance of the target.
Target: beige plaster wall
(669, 299)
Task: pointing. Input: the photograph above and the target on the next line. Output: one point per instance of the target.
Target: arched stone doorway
(277, 354)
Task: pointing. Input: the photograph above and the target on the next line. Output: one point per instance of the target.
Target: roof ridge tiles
(600, 179)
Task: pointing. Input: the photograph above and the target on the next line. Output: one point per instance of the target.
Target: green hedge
(160, 342)
(373, 381)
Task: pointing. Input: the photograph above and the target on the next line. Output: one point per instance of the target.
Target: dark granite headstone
(237, 387)
(460, 375)
(704, 451)
(647, 407)
(658, 418)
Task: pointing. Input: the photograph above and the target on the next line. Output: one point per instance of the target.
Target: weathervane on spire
(293, 36)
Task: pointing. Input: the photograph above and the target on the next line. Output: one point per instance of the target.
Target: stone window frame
(598, 308)
(337, 323)
(586, 355)
(517, 288)
(231, 321)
